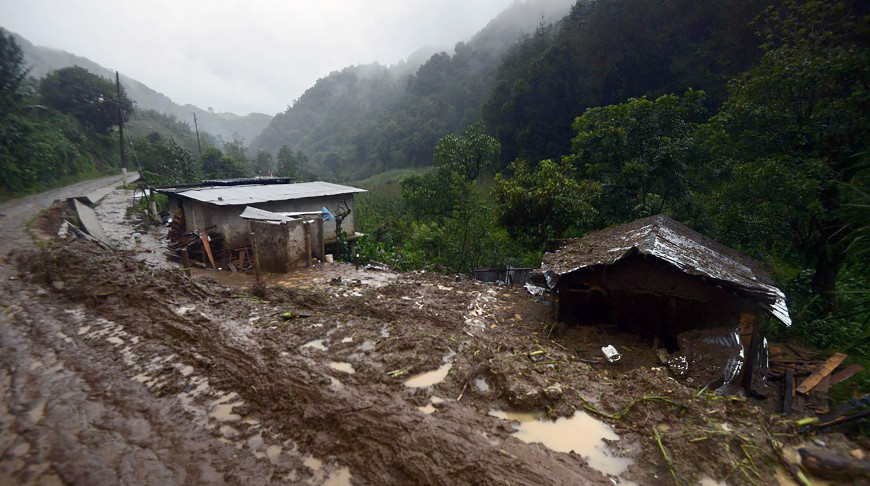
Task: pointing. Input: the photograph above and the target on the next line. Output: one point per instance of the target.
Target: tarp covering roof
(676, 244)
(259, 193)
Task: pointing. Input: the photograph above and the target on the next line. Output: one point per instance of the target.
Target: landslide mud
(146, 340)
(114, 370)
(364, 421)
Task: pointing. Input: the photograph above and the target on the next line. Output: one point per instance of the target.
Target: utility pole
(121, 127)
(198, 145)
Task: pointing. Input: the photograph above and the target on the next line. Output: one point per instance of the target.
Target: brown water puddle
(429, 378)
(316, 344)
(579, 433)
(343, 367)
(429, 408)
(340, 477)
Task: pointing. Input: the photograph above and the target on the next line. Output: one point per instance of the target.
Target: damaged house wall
(644, 295)
(220, 207)
(199, 216)
(284, 246)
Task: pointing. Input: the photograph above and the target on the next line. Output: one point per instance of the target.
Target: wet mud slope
(113, 371)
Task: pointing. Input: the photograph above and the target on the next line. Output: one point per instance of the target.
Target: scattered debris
(534, 289)
(90, 223)
(503, 276)
(825, 370)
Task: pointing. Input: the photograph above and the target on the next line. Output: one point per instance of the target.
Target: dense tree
(12, 72)
(38, 146)
(468, 153)
(91, 99)
(164, 162)
(236, 150)
(216, 165)
(538, 206)
(640, 152)
(372, 118)
(262, 164)
(606, 51)
(290, 163)
(436, 193)
(793, 134)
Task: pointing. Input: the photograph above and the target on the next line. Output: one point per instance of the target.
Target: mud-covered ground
(113, 370)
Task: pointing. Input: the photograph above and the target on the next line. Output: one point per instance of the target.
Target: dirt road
(113, 370)
(15, 213)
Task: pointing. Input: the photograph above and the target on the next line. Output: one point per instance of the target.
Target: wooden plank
(846, 373)
(814, 379)
(204, 238)
(823, 385)
(789, 391)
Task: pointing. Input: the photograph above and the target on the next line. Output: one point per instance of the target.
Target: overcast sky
(243, 56)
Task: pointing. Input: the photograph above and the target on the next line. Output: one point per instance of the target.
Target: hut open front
(657, 277)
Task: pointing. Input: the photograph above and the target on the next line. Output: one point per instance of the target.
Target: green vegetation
(89, 98)
(44, 146)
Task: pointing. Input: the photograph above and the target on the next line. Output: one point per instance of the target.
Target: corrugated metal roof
(676, 244)
(258, 193)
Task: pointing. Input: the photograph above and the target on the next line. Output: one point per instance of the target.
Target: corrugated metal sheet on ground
(235, 195)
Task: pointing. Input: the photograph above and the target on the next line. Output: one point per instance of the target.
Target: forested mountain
(228, 126)
(368, 119)
(606, 51)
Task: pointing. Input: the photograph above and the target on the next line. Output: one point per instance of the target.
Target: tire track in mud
(74, 409)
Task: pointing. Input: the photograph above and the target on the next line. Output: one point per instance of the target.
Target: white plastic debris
(534, 289)
(64, 230)
(611, 353)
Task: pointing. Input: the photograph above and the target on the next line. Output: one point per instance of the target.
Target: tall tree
(550, 78)
(12, 71)
(216, 165)
(290, 164)
(469, 153)
(86, 96)
(263, 163)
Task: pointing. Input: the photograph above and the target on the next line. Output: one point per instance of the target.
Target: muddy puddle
(343, 367)
(579, 433)
(316, 344)
(429, 378)
(429, 408)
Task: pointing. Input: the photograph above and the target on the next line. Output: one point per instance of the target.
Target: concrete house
(219, 207)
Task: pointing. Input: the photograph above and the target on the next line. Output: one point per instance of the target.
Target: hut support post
(752, 354)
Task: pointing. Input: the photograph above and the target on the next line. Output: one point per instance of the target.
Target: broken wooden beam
(826, 369)
(846, 373)
(205, 244)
